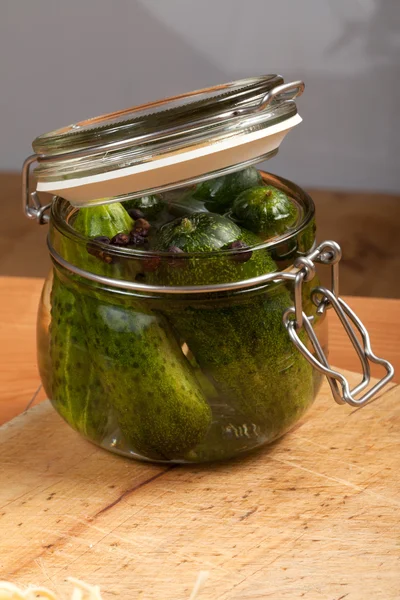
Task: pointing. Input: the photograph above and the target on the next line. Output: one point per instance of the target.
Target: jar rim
(60, 218)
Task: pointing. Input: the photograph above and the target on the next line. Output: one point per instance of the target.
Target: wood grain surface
(19, 378)
(313, 516)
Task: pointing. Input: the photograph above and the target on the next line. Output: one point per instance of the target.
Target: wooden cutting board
(314, 516)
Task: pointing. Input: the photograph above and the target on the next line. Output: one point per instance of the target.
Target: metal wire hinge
(31, 204)
(329, 253)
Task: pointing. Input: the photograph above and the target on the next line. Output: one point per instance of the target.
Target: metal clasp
(329, 253)
(31, 204)
(284, 90)
(288, 91)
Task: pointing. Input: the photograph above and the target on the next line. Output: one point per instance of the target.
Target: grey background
(64, 61)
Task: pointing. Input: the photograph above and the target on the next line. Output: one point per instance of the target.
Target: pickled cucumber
(265, 210)
(207, 233)
(243, 347)
(219, 193)
(240, 342)
(160, 407)
(76, 391)
(150, 206)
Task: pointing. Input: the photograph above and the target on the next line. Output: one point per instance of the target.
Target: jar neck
(224, 271)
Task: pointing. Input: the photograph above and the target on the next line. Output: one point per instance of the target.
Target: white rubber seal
(177, 166)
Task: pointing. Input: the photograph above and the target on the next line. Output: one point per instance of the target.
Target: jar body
(177, 379)
(177, 376)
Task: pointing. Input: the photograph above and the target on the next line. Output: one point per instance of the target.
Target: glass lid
(167, 143)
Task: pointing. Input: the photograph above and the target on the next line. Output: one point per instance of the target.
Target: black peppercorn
(121, 239)
(136, 239)
(107, 258)
(94, 250)
(240, 257)
(142, 227)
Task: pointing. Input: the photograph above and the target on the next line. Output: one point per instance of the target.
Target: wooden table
(313, 516)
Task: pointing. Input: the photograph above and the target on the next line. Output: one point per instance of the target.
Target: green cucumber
(206, 233)
(160, 406)
(199, 230)
(240, 342)
(265, 210)
(76, 390)
(151, 206)
(243, 347)
(109, 220)
(219, 193)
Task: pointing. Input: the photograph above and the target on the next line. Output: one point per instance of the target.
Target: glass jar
(168, 330)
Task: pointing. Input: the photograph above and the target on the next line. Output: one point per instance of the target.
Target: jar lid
(167, 143)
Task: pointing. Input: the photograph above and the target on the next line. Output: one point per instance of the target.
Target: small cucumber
(265, 210)
(219, 193)
(228, 247)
